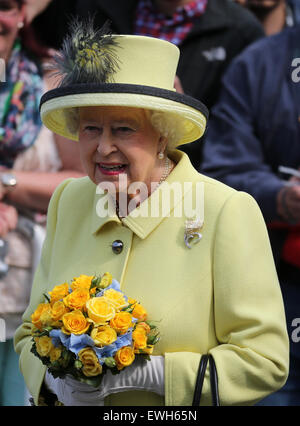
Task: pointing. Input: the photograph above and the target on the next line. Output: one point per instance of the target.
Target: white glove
(141, 375)
(71, 392)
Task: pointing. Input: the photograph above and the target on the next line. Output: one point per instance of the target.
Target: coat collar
(136, 221)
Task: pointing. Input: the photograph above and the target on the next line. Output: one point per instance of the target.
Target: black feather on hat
(87, 54)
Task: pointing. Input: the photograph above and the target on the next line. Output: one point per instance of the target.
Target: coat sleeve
(31, 367)
(233, 150)
(253, 352)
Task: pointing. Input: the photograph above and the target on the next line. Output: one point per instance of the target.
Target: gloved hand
(141, 375)
(71, 392)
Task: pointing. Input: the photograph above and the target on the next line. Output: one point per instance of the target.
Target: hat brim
(192, 113)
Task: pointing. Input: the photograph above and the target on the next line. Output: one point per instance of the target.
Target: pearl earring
(160, 155)
(20, 25)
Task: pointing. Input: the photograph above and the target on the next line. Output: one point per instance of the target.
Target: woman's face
(11, 14)
(259, 4)
(169, 6)
(119, 140)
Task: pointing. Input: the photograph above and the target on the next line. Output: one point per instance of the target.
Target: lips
(112, 168)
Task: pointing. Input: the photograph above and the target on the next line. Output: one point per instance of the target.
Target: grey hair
(166, 123)
(72, 119)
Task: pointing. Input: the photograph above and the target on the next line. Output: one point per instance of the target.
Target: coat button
(117, 246)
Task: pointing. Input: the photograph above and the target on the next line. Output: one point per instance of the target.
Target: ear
(23, 17)
(162, 143)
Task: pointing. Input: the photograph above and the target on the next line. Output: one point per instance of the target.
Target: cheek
(142, 163)
(8, 34)
(142, 156)
(87, 150)
(9, 25)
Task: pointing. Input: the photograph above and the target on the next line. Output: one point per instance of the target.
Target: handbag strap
(213, 381)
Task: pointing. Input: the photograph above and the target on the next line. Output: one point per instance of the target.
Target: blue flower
(105, 352)
(124, 339)
(59, 338)
(78, 342)
(72, 342)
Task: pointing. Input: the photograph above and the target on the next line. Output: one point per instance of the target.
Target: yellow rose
(59, 292)
(75, 322)
(43, 345)
(124, 357)
(140, 338)
(83, 281)
(100, 310)
(104, 335)
(77, 299)
(148, 350)
(145, 326)
(139, 312)
(58, 310)
(91, 366)
(131, 301)
(121, 322)
(106, 280)
(41, 315)
(54, 354)
(116, 298)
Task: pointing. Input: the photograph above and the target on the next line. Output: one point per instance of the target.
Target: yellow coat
(221, 296)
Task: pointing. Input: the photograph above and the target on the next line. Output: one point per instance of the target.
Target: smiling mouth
(112, 169)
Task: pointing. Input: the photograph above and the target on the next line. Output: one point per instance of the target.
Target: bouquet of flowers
(86, 327)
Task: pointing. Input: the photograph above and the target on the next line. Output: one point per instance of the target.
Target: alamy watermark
(2, 71)
(296, 332)
(296, 71)
(179, 199)
(2, 330)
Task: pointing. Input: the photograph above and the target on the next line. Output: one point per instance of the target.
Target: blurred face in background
(260, 6)
(169, 6)
(11, 17)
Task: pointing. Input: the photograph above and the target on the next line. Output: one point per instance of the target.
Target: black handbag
(213, 381)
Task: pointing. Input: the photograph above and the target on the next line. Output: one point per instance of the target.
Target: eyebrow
(128, 120)
(122, 120)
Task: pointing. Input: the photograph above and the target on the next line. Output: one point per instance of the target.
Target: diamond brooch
(192, 231)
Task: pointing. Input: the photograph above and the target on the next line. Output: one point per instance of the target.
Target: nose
(106, 143)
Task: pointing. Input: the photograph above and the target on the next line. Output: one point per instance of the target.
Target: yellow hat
(100, 69)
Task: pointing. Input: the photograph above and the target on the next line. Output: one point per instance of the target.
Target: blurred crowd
(238, 57)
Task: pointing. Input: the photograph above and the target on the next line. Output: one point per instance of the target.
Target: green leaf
(144, 356)
(93, 381)
(151, 324)
(110, 362)
(78, 364)
(95, 282)
(152, 339)
(46, 297)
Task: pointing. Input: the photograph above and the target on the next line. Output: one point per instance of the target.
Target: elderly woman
(210, 279)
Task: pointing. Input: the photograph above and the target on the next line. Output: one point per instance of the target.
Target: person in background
(209, 34)
(255, 129)
(274, 15)
(32, 163)
(34, 8)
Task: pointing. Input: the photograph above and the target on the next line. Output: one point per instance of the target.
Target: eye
(91, 129)
(5, 5)
(123, 129)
